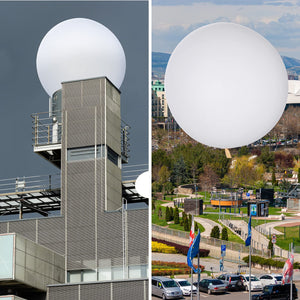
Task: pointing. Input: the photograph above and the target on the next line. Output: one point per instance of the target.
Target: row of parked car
(270, 286)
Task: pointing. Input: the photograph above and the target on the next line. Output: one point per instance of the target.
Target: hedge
(268, 262)
(182, 249)
(162, 268)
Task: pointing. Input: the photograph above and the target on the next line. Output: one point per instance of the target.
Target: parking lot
(234, 295)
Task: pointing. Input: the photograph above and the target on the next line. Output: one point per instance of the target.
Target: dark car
(277, 291)
(212, 286)
(234, 281)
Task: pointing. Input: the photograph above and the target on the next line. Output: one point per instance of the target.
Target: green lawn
(291, 235)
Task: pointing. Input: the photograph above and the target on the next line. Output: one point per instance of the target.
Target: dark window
(112, 156)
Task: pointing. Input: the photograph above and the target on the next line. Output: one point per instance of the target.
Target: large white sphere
(143, 184)
(79, 49)
(226, 85)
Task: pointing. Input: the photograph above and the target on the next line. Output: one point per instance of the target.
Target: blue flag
(248, 240)
(193, 252)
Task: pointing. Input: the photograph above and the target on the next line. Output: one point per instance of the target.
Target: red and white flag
(192, 232)
(287, 271)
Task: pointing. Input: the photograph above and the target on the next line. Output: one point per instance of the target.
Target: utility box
(258, 208)
(193, 206)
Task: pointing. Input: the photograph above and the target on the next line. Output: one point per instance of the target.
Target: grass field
(291, 235)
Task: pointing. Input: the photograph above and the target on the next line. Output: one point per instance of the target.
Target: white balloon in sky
(226, 85)
(79, 49)
(143, 185)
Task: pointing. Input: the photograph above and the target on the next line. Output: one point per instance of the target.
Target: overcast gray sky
(22, 27)
(276, 20)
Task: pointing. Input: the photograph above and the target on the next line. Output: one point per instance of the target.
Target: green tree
(274, 181)
(298, 175)
(196, 227)
(271, 247)
(224, 234)
(171, 213)
(186, 224)
(179, 175)
(176, 215)
(266, 158)
(215, 232)
(190, 221)
(243, 151)
(168, 217)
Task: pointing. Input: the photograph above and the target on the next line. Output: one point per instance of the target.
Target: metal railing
(29, 183)
(177, 234)
(47, 128)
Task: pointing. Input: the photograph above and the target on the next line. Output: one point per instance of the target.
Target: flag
(193, 252)
(192, 232)
(248, 240)
(287, 271)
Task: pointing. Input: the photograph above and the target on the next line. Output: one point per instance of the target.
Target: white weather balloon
(226, 85)
(79, 49)
(143, 185)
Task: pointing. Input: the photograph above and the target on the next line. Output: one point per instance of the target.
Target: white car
(270, 279)
(256, 285)
(185, 286)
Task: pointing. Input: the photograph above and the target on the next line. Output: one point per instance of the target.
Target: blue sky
(276, 20)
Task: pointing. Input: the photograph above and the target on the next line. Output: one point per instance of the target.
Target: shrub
(182, 249)
(176, 216)
(168, 217)
(215, 232)
(162, 248)
(224, 234)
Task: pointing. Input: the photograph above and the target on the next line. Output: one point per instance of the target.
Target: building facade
(97, 229)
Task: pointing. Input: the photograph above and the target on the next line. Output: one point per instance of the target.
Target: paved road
(230, 295)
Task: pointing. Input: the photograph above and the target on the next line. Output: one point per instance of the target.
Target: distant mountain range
(160, 61)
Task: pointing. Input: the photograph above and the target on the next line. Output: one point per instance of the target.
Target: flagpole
(198, 280)
(291, 253)
(192, 282)
(250, 250)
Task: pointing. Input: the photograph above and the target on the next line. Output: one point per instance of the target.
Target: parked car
(276, 291)
(185, 286)
(165, 287)
(212, 286)
(268, 279)
(233, 281)
(255, 283)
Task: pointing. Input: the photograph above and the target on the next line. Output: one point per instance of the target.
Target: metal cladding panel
(138, 236)
(91, 92)
(71, 95)
(101, 191)
(26, 228)
(113, 118)
(81, 215)
(64, 292)
(51, 234)
(127, 290)
(114, 186)
(81, 127)
(109, 242)
(100, 124)
(3, 227)
(96, 291)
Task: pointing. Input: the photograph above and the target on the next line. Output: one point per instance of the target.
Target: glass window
(89, 275)
(6, 256)
(117, 273)
(86, 153)
(104, 274)
(113, 156)
(74, 276)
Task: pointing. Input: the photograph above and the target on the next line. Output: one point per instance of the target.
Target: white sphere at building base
(78, 49)
(226, 85)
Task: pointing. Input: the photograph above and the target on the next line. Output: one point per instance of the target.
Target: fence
(182, 237)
